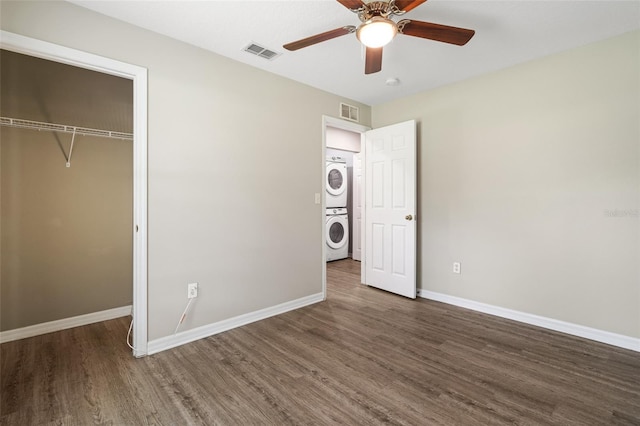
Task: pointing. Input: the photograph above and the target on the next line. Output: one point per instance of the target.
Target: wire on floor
(129, 334)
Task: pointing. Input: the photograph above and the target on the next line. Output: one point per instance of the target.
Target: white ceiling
(507, 33)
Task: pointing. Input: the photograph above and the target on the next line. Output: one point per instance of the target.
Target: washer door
(336, 232)
(336, 178)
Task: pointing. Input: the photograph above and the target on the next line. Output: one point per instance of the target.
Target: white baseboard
(63, 324)
(601, 336)
(188, 336)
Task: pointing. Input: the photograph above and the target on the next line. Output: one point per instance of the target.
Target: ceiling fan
(377, 29)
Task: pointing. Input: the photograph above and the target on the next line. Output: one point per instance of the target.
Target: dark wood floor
(362, 357)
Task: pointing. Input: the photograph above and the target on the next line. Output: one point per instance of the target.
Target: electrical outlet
(456, 267)
(192, 290)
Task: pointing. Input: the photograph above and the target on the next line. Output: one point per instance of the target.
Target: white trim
(601, 336)
(42, 49)
(337, 123)
(140, 262)
(63, 324)
(188, 336)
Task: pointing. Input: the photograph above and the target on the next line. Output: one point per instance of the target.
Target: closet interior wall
(65, 232)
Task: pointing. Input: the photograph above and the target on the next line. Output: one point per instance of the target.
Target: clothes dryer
(336, 180)
(337, 234)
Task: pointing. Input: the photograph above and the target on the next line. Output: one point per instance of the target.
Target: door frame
(337, 123)
(53, 52)
(356, 202)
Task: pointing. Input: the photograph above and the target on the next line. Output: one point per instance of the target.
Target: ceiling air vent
(263, 52)
(349, 112)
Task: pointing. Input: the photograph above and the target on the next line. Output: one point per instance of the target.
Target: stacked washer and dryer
(337, 216)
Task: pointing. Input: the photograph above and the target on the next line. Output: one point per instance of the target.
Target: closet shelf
(37, 125)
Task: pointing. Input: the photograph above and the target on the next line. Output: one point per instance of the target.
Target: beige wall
(530, 177)
(234, 163)
(66, 232)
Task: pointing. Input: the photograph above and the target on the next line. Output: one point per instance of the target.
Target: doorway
(332, 128)
(44, 50)
(389, 207)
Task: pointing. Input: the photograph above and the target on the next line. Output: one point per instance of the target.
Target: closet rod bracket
(73, 138)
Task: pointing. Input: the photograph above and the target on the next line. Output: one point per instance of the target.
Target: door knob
(408, 217)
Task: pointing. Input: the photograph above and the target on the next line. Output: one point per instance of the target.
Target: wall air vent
(261, 51)
(349, 112)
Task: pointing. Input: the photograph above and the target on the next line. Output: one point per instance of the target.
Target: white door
(390, 208)
(357, 207)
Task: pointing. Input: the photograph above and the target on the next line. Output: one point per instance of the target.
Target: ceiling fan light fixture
(376, 32)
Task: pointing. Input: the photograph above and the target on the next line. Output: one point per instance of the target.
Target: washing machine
(337, 234)
(336, 180)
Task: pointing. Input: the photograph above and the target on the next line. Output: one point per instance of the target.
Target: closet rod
(37, 125)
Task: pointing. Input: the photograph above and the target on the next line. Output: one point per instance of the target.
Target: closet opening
(73, 200)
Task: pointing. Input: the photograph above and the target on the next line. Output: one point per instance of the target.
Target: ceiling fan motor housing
(377, 8)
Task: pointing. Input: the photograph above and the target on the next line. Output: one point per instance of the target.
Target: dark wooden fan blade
(373, 60)
(351, 4)
(295, 45)
(408, 5)
(437, 32)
